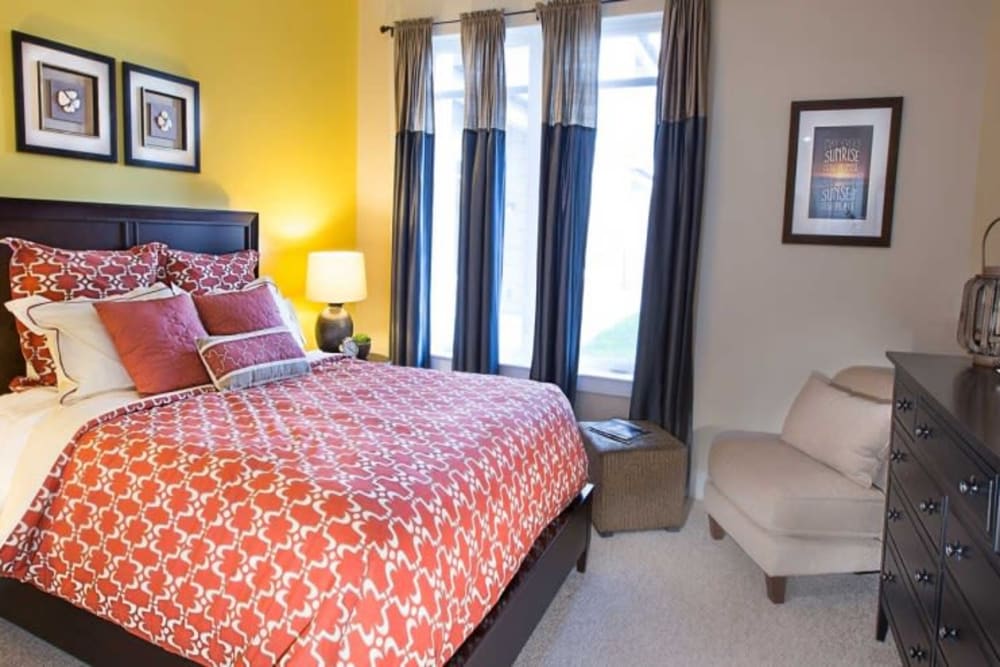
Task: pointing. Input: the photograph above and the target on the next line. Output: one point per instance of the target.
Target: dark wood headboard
(81, 225)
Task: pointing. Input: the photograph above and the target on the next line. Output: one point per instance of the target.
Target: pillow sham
(85, 359)
(227, 313)
(249, 359)
(156, 341)
(58, 274)
(845, 431)
(201, 273)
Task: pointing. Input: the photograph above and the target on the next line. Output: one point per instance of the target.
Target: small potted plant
(364, 342)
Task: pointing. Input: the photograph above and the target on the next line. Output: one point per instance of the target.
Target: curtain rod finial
(386, 29)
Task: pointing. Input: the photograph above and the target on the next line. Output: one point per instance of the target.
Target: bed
(540, 567)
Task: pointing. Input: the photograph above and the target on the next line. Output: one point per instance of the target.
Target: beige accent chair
(790, 513)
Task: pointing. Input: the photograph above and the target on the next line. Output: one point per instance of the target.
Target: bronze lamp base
(333, 325)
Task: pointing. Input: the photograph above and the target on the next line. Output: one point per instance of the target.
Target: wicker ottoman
(640, 484)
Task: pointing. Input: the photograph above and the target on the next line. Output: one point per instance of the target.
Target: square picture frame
(841, 180)
(64, 100)
(162, 119)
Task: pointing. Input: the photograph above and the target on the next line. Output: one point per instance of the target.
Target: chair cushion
(846, 431)
(789, 493)
(875, 382)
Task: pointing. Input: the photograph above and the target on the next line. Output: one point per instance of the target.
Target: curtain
(413, 187)
(571, 37)
(662, 389)
(481, 208)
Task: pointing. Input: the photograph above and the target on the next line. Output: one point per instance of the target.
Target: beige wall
(769, 313)
(988, 183)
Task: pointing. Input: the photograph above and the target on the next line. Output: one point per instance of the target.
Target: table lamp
(335, 278)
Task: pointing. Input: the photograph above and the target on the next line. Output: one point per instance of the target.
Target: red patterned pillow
(228, 313)
(246, 360)
(59, 275)
(199, 273)
(156, 341)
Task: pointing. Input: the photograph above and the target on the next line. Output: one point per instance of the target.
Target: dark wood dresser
(940, 580)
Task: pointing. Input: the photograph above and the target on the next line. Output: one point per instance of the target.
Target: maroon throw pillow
(228, 313)
(157, 342)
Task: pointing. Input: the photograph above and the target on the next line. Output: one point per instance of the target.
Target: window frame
(606, 384)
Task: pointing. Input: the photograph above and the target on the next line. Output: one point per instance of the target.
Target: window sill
(604, 384)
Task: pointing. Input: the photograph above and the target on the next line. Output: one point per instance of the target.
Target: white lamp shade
(336, 276)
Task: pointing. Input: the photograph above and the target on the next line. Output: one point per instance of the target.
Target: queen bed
(359, 514)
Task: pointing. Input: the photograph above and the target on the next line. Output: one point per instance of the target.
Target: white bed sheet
(19, 413)
(35, 440)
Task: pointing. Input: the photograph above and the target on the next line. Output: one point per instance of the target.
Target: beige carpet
(662, 598)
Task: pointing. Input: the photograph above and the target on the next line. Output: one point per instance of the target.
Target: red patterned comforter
(364, 514)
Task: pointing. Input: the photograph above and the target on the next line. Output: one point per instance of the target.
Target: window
(449, 107)
(524, 122)
(622, 184)
(619, 199)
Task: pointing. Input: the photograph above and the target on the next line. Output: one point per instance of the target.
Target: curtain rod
(521, 12)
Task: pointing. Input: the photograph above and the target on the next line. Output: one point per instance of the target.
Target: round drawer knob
(904, 405)
(897, 456)
(888, 577)
(956, 550)
(969, 487)
(917, 653)
(948, 633)
(893, 514)
(923, 577)
(923, 432)
(929, 506)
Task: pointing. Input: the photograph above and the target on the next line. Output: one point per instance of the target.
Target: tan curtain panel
(682, 88)
(414, 65)
(571, 33)
(485, 72)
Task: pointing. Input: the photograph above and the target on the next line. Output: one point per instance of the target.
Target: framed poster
(64, 100)
(841, 176)
(162, 124)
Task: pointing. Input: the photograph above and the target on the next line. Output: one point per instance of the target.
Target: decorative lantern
(979, 323)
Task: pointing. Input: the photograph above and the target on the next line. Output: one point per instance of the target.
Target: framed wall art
(841, 177)
(64, 100)
(162, 124)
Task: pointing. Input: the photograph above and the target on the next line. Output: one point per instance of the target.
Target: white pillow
(85, 358)
(845, 431)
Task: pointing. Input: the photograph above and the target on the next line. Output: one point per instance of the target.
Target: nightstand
(640, 484)
(376, 358)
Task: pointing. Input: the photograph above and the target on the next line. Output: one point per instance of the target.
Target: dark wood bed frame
(77, 225)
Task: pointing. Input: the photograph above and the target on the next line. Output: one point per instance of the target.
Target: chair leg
(776, 589)
(881, 625)
(715, 530)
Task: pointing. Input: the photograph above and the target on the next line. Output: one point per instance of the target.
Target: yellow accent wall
(278, 120)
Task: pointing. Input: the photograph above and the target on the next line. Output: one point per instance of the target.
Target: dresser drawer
(908, 629)
(920, 565)
(904, 405)
(975, 570)
(968, 483)
(960, 641)
(917, 485)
